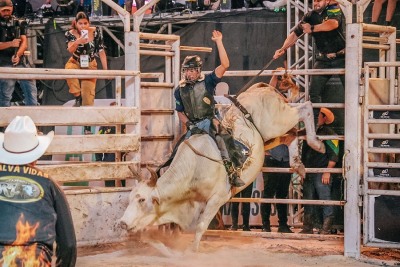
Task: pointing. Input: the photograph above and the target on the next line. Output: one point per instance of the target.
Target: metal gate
(381, 149)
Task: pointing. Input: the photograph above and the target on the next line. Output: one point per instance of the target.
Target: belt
(77, 58)
(333, 55)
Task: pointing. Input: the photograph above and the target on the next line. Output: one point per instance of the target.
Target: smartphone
(84, 33)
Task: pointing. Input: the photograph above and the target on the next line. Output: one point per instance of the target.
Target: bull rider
(195, 102)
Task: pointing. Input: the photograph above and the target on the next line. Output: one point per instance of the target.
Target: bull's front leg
(210, 210)
(306, 115)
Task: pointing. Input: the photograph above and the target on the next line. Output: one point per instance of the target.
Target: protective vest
(198, 103)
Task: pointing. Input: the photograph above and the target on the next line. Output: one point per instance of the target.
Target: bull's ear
(155, 196)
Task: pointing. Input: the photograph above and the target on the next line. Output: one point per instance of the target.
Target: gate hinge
(361, 92)
(361, 190)
(360, 195)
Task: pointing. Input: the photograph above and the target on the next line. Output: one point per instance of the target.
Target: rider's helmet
(191, 62)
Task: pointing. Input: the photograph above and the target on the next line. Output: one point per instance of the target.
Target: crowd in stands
(52, 8)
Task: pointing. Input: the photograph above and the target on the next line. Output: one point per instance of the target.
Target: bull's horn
(135, 174)
(153, 178)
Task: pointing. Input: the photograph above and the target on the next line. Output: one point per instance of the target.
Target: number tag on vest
(84, 61)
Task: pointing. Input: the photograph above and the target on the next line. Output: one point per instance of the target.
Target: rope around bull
(200, 154)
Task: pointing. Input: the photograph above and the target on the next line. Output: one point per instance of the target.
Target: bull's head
(286, 83)
(143, 199)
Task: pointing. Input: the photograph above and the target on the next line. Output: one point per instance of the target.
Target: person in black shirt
(34, 210)
(13, 44)
(325, 22)
(245, 193)
(277, 184)
(319, 185)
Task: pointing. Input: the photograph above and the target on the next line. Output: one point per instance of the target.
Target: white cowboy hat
(20, 143)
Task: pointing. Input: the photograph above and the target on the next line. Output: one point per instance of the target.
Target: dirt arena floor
(240, 249)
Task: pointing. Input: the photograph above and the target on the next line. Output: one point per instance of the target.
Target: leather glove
(189, 125)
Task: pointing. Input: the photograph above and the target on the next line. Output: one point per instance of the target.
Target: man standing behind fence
(325, 23)
(319, 185)
(13, 43)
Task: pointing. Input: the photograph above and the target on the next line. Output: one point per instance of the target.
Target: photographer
(13, 43)
(84, 43)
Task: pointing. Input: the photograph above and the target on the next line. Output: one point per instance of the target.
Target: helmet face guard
(191, 63)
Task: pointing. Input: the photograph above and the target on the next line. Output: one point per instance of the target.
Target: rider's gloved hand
(190, 125)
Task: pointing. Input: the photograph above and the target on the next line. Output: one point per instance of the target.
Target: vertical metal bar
(353, 140)
(176, 75)
(132, 89)
(118, 90)
(391, 55)
(366, 218)
(32, 46)
(168, 66)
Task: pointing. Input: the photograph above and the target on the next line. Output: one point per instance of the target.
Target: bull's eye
(141, 200)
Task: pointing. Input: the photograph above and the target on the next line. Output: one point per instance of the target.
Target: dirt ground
(232, 249)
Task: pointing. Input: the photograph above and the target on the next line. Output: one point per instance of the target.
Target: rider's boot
(233, 175)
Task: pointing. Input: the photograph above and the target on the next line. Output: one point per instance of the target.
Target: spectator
(23, 9)
(83, 47)
(107, 157)
(319, 185)
(12, 47)
(195, 102)
(325, 24)
(245, 193)
(110, 157)
(377, 8)
(139, 4)
(83, 6)
(237, 4)
(31, 202)
(254, 3)
(46, 10)
(277, 184)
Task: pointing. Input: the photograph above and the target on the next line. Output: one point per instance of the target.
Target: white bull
(195, 186)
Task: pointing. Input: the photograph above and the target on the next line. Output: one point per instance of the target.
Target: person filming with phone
(84, 43)
(13, 44)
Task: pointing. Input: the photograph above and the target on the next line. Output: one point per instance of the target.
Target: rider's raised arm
(223, 56)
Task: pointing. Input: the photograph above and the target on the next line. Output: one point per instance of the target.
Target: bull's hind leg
(294, 158)
(210, 210)
(307, 116)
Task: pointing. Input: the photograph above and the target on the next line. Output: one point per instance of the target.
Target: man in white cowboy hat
(319, 185)
(31, 202)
